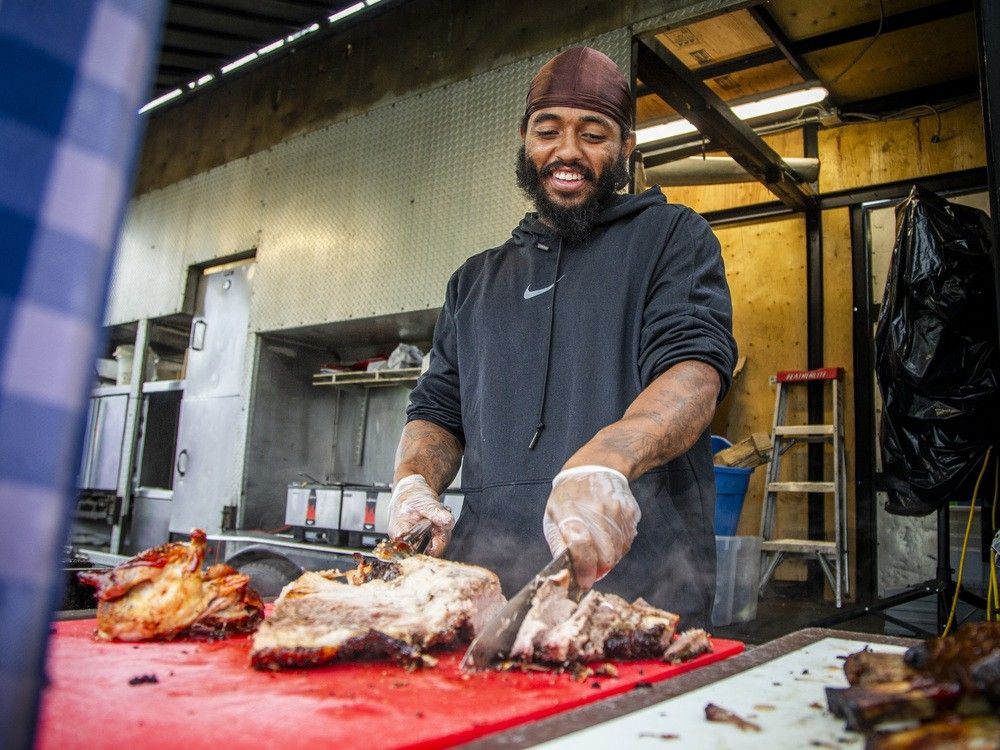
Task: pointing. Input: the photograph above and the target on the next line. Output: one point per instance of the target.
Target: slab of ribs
(946, 690)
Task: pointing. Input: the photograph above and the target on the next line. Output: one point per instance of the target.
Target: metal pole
(988, 43)
(130, 438)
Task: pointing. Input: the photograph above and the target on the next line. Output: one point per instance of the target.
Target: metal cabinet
(102, 447)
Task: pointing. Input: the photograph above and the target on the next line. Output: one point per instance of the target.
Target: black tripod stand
(941, 586)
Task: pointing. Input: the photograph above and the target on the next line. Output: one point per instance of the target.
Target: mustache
(587, 172)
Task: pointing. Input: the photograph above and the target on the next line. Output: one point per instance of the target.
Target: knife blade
(497, 636)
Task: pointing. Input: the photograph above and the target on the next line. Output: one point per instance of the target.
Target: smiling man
(576, 369)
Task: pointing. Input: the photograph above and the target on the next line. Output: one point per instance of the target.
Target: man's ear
(629, 146)
(523, 133)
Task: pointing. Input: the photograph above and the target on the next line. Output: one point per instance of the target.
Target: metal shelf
(375, 379)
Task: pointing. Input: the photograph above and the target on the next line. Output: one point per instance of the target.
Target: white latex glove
(412, 501)
(592, 511)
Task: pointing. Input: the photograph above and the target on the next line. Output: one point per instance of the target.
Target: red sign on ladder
(823, 373)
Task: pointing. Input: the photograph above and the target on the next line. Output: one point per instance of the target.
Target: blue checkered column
(72, 78)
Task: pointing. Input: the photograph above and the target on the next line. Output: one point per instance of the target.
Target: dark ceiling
(200, 36)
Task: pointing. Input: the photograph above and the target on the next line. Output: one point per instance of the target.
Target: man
(576, 368)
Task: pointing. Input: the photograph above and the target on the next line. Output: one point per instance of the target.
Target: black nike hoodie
(542, 342)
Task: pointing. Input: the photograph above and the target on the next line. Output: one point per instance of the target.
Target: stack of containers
(737, 569)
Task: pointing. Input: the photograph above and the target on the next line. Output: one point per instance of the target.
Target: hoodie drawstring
(548, 351)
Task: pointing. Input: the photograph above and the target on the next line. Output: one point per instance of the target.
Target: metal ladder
(783, 436)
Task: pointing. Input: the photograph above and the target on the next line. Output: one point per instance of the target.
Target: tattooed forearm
(662, 423)
(428, 450)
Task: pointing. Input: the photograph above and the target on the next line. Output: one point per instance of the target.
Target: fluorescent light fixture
(271, 47)
(160, 100)
(205, 79)
(350, 10)
(238, 63)
(768, 106)
(370, 3)
(302, 32)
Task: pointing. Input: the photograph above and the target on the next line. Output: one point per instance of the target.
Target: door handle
(182, 462)
(198, 334)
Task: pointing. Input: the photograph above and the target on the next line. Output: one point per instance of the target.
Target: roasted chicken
(163, 593)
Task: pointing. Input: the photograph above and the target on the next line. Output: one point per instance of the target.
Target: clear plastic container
(737, 574)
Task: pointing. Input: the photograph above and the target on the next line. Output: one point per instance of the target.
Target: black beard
(571, 222)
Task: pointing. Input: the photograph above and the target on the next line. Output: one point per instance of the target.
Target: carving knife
(497, 636)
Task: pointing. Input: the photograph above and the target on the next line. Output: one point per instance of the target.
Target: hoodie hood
(532, 229)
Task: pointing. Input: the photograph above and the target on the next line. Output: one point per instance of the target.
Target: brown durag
(584, 78)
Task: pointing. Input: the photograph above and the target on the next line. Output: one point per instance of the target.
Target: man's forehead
(570, 114)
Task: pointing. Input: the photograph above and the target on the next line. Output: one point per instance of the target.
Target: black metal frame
(864, 318)
(988, 41)
(685, 92)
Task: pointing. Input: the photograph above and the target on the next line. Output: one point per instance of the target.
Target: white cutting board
(789, 683)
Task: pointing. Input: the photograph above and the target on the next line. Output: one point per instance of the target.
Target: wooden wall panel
(872, 153)
(765, 265)
(838, 346)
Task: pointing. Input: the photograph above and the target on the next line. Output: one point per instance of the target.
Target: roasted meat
(396, 608)
(950, 677)
(162, 593)
(558, 630)
(949, 733)
(868, 667)
(689, 644)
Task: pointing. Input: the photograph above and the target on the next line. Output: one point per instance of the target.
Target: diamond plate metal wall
(365, 217)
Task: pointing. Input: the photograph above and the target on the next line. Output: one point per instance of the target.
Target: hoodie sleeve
(436, 397)
(689, 312)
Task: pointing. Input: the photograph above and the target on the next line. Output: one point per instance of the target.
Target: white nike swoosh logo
(529, 292)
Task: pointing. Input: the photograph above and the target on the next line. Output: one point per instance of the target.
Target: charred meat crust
(959, 674)
(636, 644)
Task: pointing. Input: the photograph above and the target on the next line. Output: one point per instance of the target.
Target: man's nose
(568, 149)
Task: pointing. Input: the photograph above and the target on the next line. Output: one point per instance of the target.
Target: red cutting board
(207, 696)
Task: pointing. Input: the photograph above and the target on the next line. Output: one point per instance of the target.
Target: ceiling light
(746, 111)
(302, 32)
(160, 100)
(205, 79)
(350, 10)
(237, 63)
(271, 47)
(370, 3)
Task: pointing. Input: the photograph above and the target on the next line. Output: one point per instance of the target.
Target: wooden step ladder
(783, 436)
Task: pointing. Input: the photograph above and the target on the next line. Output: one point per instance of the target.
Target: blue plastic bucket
(730, 492)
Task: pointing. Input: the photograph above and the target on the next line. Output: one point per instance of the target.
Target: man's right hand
(412, 501)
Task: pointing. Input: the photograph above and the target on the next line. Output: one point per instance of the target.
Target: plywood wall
(765, 264)
(873, 153)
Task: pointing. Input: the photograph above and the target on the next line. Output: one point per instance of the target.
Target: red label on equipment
(823, 373)
(370, 514)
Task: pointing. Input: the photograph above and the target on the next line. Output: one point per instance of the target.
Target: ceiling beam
(929, 95)
(679, 87)
(791, 50)
(782, 42)
(897, 22)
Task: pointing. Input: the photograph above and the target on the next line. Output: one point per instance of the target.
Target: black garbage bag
(936, 354)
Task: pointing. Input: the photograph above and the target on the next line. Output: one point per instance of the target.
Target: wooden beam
(684, 91)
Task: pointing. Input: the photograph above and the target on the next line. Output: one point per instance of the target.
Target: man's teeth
(567, 176)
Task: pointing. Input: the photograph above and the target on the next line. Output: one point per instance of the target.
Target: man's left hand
(591, 511)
